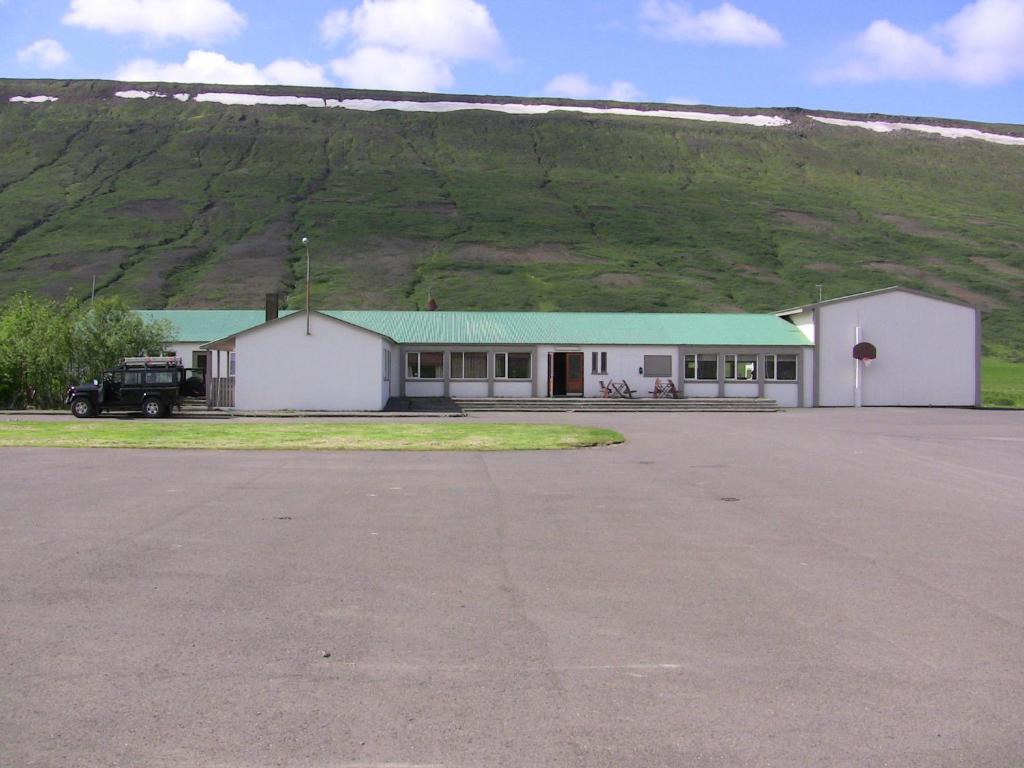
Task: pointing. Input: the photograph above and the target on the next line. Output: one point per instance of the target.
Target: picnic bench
(616, 389)
(665, 390)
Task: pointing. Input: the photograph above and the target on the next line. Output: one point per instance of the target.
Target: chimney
(271, 307)
(431, 304)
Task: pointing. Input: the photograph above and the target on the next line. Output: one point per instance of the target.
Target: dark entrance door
(565, 376)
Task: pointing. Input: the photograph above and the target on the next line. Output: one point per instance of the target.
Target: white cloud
(725, 24)
(198, 21)
(409, 44)
(982, 44)
(46, 53)
(573, 85)
(392, 70)
(212, 67)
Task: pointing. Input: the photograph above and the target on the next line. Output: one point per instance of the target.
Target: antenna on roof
(305, 242)
(819, 287)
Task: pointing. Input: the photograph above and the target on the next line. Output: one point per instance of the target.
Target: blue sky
(945, 58)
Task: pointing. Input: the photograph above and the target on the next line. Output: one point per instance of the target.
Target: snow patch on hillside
(150, 95)
(252, 99)
(939, 130)
(32, 99)
(140, 95)
(374, 105)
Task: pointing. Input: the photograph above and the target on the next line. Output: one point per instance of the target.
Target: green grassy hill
(174, 204)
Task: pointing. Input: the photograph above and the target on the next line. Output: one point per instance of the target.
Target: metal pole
(305, 242)
(858, 397)
(92, 298)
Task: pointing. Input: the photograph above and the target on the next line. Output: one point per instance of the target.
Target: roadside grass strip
(459, 436)
(1002, 383)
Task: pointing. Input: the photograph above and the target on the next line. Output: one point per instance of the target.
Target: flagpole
(305, 242)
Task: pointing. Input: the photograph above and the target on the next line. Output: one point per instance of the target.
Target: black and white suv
(152, 385)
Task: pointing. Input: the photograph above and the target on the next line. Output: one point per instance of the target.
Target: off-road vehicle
(152, 385)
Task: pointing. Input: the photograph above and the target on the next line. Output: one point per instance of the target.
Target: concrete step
(562, 404)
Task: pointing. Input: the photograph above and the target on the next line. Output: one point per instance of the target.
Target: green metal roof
(205, 324)
(518, 327)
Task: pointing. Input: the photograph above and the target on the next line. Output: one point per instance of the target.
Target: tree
(46, 345)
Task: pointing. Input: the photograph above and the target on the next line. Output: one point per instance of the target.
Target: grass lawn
(435, 436)
(1002, 383)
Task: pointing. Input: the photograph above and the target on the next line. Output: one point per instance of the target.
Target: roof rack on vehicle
(151, 362)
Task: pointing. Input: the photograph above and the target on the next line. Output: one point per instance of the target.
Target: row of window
(519, 365)
(704, 367)
(468, 365)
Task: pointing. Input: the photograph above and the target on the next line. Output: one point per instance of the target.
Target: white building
(929, 349)
(928, 353)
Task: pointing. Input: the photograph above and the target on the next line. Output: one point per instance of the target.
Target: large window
(780, 367)
(424, 365)
(741, 367)
(469, 365)
(702, 367)
(657, 365)
(512, 365)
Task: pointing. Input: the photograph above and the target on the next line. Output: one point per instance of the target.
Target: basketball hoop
(865, 352)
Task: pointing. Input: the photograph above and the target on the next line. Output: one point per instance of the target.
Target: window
(160, 377)
(599, 362)
(740, 367)
(425, 365)
(657, 365)
(231, 363)
(387, 364)
(469, 365)
(780, 367)
(702, 367)
(132, 378)
(512, 365)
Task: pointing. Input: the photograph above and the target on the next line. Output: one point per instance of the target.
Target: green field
(1002, 383)
(202, 205)
(433, 436)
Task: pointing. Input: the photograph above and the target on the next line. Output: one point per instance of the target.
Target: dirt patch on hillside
(914, 228)
(940, 284)
(151, 277)
(57, 275)
(618, 280)
(804, 220)
(998, 267)
(155, 210)
(542, 253)
(255, 265)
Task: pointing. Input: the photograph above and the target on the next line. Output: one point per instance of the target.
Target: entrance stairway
(596, 404)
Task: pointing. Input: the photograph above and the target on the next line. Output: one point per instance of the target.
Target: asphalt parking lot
(807, 588)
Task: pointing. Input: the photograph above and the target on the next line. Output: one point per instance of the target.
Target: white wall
(785, 393)
(741, 389)
(424, 388)
(468, 389)
(184, 350)
(926, 351)
(336, 368)
(700, 389)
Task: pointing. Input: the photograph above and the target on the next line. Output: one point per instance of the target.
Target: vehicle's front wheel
(152, 408)
(82, 408)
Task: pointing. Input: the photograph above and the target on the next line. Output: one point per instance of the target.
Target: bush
(46, 345)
